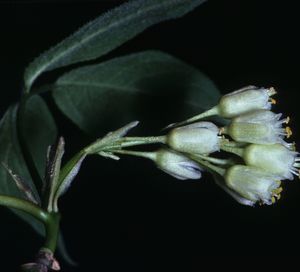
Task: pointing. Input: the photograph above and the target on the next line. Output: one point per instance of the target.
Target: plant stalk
(25, 206)
(50, 220)
(208, 165)
(52, 231)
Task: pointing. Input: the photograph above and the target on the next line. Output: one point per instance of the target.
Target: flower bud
(253, 184)
(275, 159)
(258, 127)
(197, 138)
(177, 165)
(245, 100)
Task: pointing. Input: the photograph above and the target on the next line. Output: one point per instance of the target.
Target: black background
(127, 215)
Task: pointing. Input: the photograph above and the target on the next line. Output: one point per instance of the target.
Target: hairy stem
(128, 141)
(116, 144)
(147, 155)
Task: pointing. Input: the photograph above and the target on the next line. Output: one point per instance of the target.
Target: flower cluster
(254, 139)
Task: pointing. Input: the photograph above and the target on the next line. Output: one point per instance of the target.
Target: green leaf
(39, 131)
(151, 86)
(10, 155)
(107, 32)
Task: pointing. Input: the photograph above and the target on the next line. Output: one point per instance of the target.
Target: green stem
(35, 176)
(25, 206)
(232, 149)
(214, 160)
(115, 144)
(132, 141)
(52, 231)
(50, 220)
(147, 155)
(146, 140)
(208, 165)
(211, 112)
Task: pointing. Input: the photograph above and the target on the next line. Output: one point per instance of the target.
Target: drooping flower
(253, 184)
(197, 138)
(239, 102)
(177, 165)
(275, 159)
(258, 127)
(245, 100)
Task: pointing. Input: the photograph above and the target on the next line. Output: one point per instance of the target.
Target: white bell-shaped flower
(253, 184)
(197, 138)
(275, 159)
(177, 165)
(259, 127)
(244, 100)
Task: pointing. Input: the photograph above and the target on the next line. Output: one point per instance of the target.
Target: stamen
(278, 197)
(296, 172)
(271, 91)
(289, 132)
(276, 194)
(296, 165)
(291, 146)
(283, 121)
(221, 131)
(273, 101)
(278, 191)
(287, 120)
(282, 133)
(222, 137)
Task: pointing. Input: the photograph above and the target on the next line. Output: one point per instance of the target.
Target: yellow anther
(277, 191)
(287, 120)
(273, 101)
(276, 194)
(289, 132)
